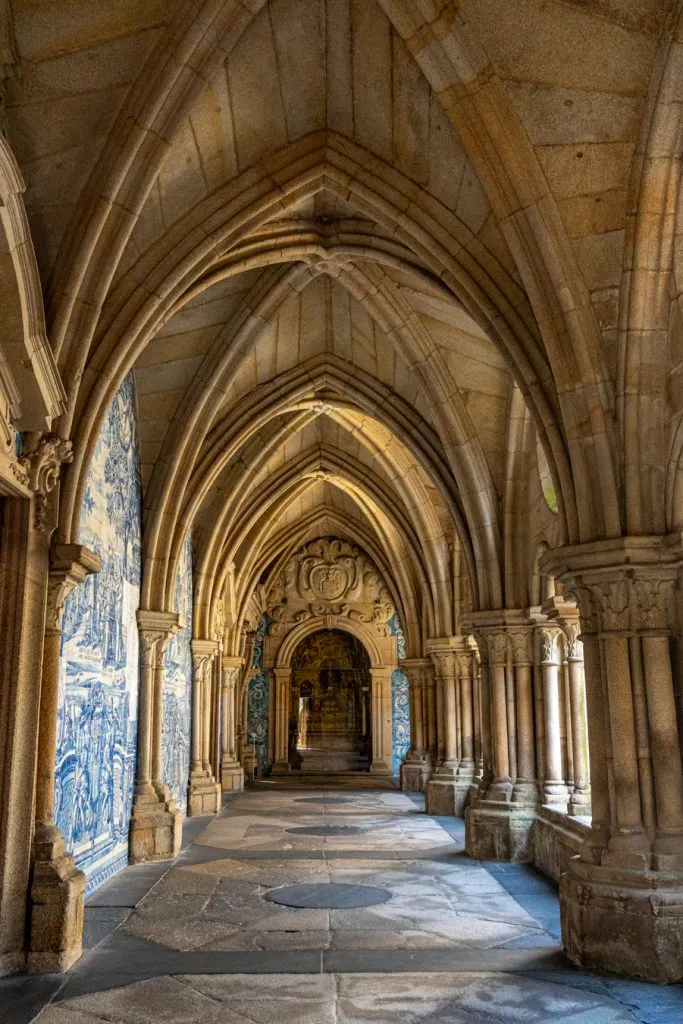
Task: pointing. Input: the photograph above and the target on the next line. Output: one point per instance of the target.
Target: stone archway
(330, 706)
(382, 658)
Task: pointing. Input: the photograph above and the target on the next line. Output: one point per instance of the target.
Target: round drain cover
(328, 896)
(326, 830)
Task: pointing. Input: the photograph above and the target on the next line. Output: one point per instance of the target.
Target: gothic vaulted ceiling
(363, 258)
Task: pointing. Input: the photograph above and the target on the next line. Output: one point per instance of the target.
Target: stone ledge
(557, 838)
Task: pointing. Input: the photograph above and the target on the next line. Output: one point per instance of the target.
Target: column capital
(550, 636)
(521, 642)
(70, 565)
(624, 586)
(203, 651)
(230, 661)
(156, 629)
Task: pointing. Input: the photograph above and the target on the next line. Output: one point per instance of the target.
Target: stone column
(283, 686)
(464, 667)
(622, 898)
(525, 790)
(58, 886)
(204, 793)
(580, 799)
(496, 826)
(429, 684)
(447, 791)
(417, 766)
(156, 823)
(555, 790)
(381, 721)
(232, 773)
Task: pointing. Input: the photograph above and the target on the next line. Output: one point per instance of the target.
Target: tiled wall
(258, 700)
(99, 666)
(400, 702)
(177, 696)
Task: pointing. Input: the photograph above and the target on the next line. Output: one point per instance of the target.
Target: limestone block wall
(177, 696)
(98, 697)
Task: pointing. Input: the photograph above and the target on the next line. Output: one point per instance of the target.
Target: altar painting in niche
(330, 704)
(258, 699)
(98, 684)
(177, 695)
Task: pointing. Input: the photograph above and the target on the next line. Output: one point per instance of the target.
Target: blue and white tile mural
(258, 699)
(98, 682)
(400, 702)
(177, 695)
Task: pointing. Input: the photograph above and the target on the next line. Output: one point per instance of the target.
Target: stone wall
(97, 721)
(557, 838)
(177, 697)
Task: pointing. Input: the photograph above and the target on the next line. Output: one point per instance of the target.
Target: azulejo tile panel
(97, 718)
(177, 695)
(400, 702)
(258, 699)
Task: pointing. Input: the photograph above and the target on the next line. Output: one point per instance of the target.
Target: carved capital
(572, 632)
(70, 564)
(497, 645)
(203, 653)
(41, 468)
(549, 638)
(155, 629)
(414, 669)
(522, 645)
(464, 665)
(654, 600)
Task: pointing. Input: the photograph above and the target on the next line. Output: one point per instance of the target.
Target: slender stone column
(499, 821)
(429, 683)
(283, 685)
(416, 767)
(555, 790)
(501, 786)
(464, 665)
(525, 790)
(232, 773)
(622, 898)
(204, 793)
(156, 822)
(381, 721)
(580, 800)
(58, 887)
(448, 788)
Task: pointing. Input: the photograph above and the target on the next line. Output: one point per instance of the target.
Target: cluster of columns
(498, 725)
(204, 792)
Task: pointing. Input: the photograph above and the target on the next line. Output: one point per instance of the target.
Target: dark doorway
(330, 709)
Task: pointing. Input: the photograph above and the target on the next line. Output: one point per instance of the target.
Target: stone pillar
(555, 789)
(417, 765)
(580, 799)
(497, 827)
(58, 886)
(525, 790)
(429, 684)
(204, 793)
(622, 898)
(381, 721)
(232, 773)
(447, 790)
(156, 822)
(283, 686)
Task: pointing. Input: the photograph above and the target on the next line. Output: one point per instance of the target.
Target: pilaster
(156, 822)
(58, 886)
(204, 793)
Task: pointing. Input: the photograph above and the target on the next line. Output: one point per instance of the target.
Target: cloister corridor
(198, 941)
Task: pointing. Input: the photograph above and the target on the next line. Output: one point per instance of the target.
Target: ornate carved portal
(330, 704)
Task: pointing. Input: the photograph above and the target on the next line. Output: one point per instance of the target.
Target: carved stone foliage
(39, 470)
(549, 640)
(330, 577)
(522, 648)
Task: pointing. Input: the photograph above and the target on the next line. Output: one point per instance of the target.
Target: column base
(381, 767)
(499, 831)
(203, 795)
(627, 923)
(57, 902)
(232, 777)
(414, 775)
(281, 768)
(447, 795)
(156, 830)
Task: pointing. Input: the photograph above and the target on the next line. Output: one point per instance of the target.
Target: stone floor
(458, 941)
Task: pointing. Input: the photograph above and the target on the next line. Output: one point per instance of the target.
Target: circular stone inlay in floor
(321, 800)
(328, 896)
(326, 830)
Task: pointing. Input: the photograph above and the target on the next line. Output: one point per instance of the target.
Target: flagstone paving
(455, 941)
